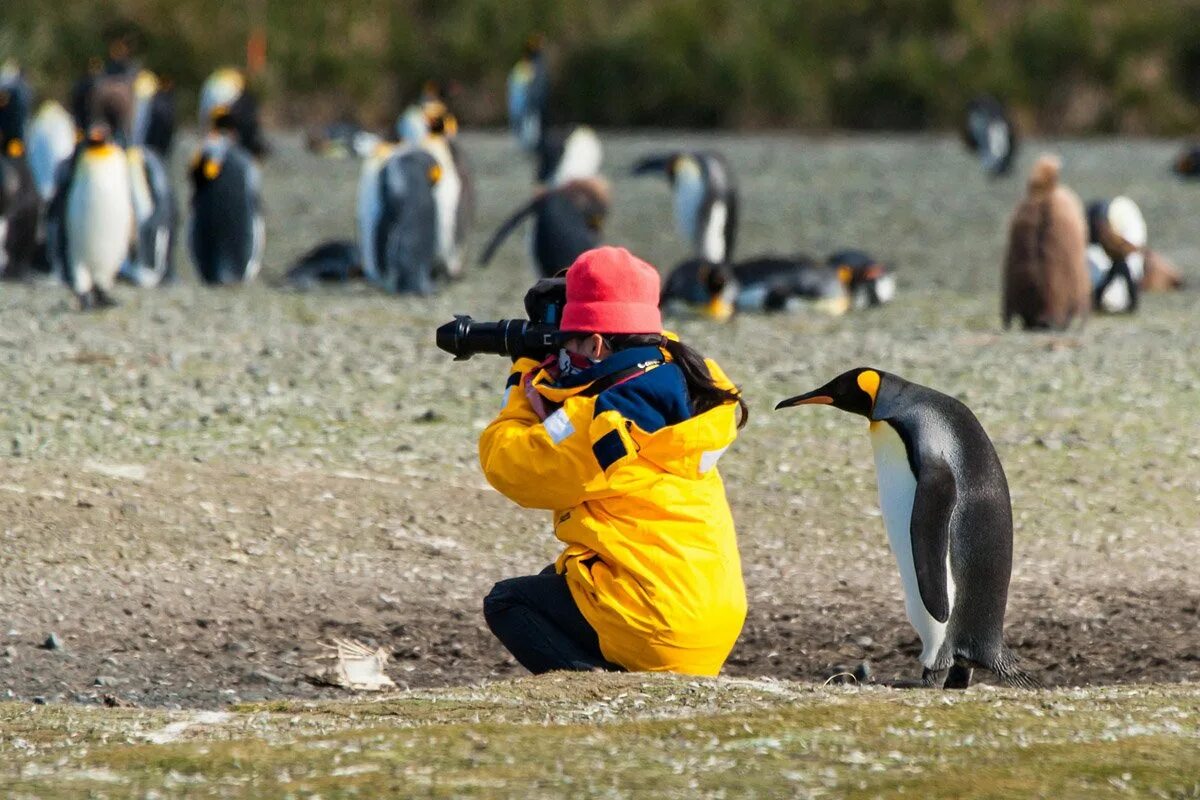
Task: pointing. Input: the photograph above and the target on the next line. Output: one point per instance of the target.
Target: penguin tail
(1010, 674)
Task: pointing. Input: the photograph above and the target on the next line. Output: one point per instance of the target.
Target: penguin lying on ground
(1120, 262)
(1116, 253)
(567, 220)
(1187, 165)
(990, 134)
(1046, 282)
(99, 218)
(706, 200)
(948, 517)
(337, 261)
(341, 140)
(227, 232)
(20, 206)
(848, 279)
(225, 94)
(528, 94)
(152, 260)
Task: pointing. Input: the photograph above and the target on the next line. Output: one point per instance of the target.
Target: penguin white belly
(369, 210)
(51, 142)
(581, 158)
(713, 247)
(689, 198)
(446, 195)
(99, 222)
(897, 490)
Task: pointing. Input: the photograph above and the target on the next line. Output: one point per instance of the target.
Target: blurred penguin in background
(51, 143)
(1116, 254)
(152, 259)
(369, 209)
(226, 90)
(528, 94)
(99, 218)
(989, 133)
(567, 220)
(227, 233)
(1046, 282)
(20, 206)
(1187, 164)
(705, 200)
(153, 124)
(406, 238)
(451, 192)
(568, 154)
(16, 102)
(848, 279)
(412, 126)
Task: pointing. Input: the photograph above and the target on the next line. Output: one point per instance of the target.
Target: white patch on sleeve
(507, 392)
(709, 459)
(559, 426)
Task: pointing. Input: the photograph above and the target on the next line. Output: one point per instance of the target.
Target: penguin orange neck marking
(868, 381)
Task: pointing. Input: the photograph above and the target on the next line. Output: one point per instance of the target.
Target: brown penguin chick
(1160, 275)
(1046, 281)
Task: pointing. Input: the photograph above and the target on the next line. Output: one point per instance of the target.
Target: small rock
(236, 648)
(105, 680)
(9, 652)
(39, 700)
(269, 677)
(52, 642)
(430, 416)
(864, 642)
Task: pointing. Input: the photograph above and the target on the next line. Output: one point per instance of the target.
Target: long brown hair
(703, 391)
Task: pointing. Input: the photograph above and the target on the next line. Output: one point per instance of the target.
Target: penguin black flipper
(507, 227)
(929, 529)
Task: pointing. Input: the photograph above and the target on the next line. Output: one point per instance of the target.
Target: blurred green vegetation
(1066, 66)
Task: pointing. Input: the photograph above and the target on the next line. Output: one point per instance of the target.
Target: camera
(536, 337)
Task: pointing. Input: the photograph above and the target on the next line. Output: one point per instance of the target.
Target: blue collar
(620, 361)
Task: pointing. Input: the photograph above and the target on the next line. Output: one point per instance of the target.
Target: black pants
(536, 618)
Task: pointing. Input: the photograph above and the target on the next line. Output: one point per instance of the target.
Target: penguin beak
(813, 398)
(719, 309)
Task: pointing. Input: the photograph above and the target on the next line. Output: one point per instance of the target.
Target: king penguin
(989, 133)
(706, 200)
(51, 142)
(451, 192)
(99, 223)
(152, 261)
(227, 232)
(567, 221)
(948, 516)
(528, 93)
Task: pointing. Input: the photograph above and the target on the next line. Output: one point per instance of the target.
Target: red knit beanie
(610, 290)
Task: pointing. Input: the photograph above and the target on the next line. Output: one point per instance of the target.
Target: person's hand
(536, 401)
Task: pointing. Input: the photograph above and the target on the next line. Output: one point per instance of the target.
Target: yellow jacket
(651, 556)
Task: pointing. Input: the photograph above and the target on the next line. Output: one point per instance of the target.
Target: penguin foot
(959, 677)
(104, 299)
(934, 678)
(86, 301)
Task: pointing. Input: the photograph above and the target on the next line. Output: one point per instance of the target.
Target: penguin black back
(225, 213)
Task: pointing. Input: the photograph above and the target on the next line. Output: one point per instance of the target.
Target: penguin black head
(854, 391)
(98, 135)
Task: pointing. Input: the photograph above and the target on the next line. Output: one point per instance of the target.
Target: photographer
(619, 434)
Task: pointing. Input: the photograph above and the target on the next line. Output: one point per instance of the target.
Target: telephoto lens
(516, 338)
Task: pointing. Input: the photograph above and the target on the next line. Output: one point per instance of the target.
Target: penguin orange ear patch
(211, 170)
(15, 148)
(435, 173)
(868, 381)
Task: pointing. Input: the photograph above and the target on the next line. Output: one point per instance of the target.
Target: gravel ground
(202, 485)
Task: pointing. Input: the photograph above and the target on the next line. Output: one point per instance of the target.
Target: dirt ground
(200, 487)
